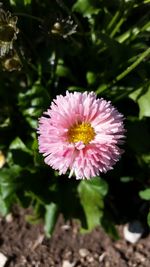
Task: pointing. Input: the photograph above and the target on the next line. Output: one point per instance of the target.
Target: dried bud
(11, 62)
(8, 31)
(61, 27)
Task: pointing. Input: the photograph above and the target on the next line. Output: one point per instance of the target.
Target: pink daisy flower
(81, 133)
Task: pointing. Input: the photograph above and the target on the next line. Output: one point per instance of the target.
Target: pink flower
(81, 133)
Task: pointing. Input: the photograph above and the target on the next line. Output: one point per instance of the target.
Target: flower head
(81, 133)
(8, 31)
(58, 27)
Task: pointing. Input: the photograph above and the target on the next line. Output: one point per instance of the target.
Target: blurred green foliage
(101, 46)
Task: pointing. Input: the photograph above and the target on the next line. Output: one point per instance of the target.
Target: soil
(25, 245)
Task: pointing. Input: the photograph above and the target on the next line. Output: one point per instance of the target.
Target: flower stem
(28, 16)
(133, 66)
(124, 73)
(121, 21)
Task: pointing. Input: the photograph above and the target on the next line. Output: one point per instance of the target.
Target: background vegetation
(74, 45)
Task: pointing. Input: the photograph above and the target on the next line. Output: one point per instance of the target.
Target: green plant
(75, 45)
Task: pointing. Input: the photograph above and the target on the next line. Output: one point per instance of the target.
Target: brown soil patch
(26, 246)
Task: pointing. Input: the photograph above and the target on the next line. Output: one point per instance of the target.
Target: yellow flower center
(81, 132)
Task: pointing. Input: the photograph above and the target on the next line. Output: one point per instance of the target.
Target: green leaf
(18, 144)
(5, 123)
(50, 218)
(8, 187)
(20, 154)
(91, 77)
(27, 2)
(126, 179)
(86, 7)
(8, 181)
(3, 207)
(146, 158)
(13, 2)
(33, 102)
(142, 97)
(33, 218)
(24, 2)
(145, 194)
(144, 104)
(91, 195)
(110, 228)
(148, 218)
(63, 71)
